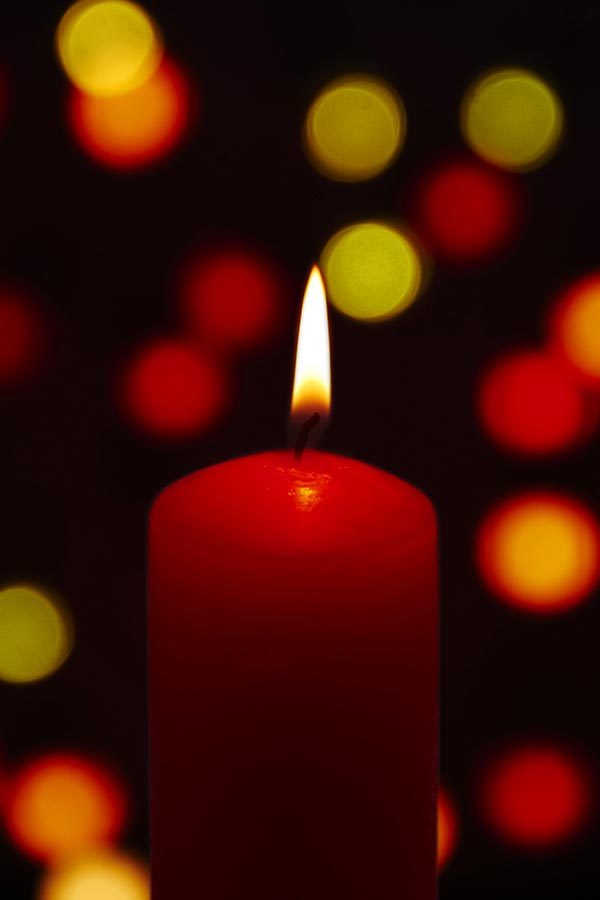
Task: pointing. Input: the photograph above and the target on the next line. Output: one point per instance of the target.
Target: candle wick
(304, 433)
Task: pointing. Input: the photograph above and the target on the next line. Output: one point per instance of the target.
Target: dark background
(102, 248)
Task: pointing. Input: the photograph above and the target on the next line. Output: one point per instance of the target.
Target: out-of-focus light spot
(529, 404)
(108, 47)
(137, 128)
(23, 337)
(447, 828)
(575, 329)
(512, 118)
(105, 875)
(172, 389)
(62, 804)
(234, 298)
(540, 551)
(537, 795)
(372, 271)
(468, 212)
(36, 634)
(355, 128)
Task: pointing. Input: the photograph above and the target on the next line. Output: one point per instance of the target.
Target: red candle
(293, 680)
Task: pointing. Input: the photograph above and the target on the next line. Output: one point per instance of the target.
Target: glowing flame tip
(312, 377)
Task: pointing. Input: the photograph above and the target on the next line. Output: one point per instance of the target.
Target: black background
(102, 249)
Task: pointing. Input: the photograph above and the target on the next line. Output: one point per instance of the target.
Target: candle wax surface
(272, 503)
(293, 629)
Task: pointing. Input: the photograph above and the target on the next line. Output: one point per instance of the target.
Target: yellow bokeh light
(104, 875)
(108, 47)
(541, 551)
(372, 271)
(355, 128)
(36, 634)
(512, 118)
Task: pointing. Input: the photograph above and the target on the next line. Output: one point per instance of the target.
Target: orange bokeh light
(529, 404)
(447, 828)
(575, 329)
(172, 389)
(135, 129)
(23, 336)
(540, 551)
(466, 212)
(61, 804)
(235, 298)
(537, 795)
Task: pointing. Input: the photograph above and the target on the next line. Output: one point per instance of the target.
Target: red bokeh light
(447, 828)
(134, 129)
(466, 212)
(172, 389)
(529, 404)
(23, 336)
(234, 298)
(62, 804)
(537, 795)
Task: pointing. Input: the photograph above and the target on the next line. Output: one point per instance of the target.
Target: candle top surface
(274, 503)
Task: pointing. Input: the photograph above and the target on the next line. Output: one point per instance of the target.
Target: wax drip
(303, 434)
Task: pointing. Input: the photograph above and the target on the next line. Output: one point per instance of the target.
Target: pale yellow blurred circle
(373, 271)
(513, 119)
(355, 128)
(36, 634)
(108, 47)
(104, 875)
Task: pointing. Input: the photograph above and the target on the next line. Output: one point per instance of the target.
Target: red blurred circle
(466, 212)
(529, 404)
(137, 128)
(234, 298)
(62, 803)
(537, 795)
(23, 336)
(447, 828)
(173, 389)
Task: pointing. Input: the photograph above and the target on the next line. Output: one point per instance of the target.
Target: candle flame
(312, 376)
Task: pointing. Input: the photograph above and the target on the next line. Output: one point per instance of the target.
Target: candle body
(293, 683)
